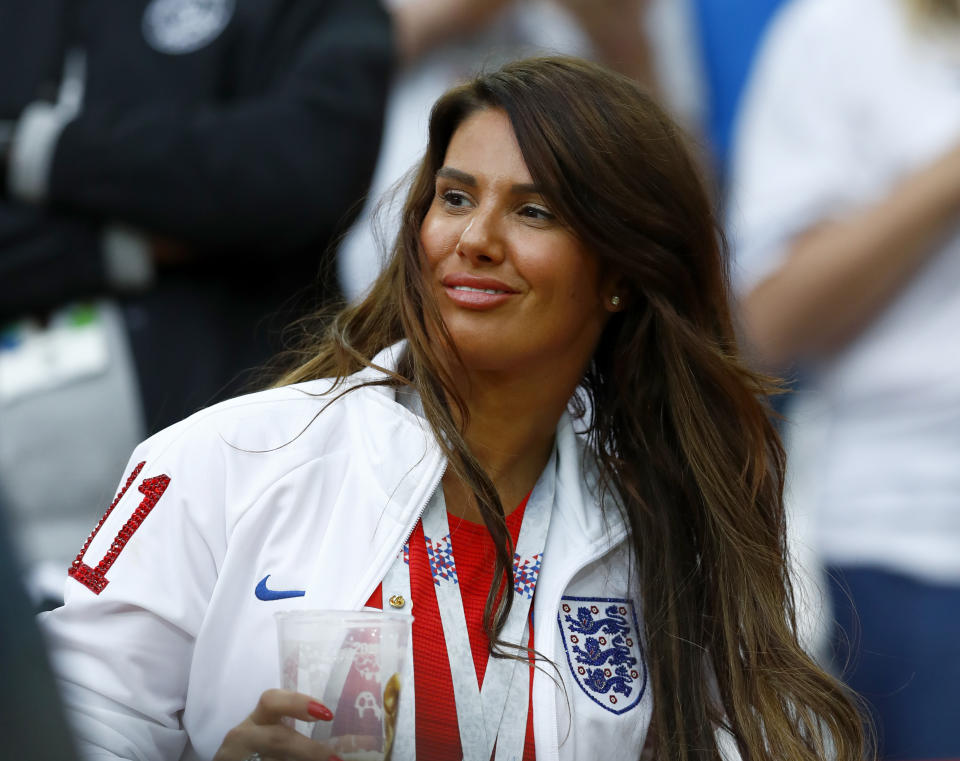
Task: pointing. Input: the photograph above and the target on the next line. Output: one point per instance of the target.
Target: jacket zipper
(417, 515)
(423, 507)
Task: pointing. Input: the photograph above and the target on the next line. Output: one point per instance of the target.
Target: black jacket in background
(248, 154)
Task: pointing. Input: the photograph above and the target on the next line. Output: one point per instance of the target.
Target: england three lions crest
(602, 640)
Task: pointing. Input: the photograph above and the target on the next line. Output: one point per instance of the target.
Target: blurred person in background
(172, 172)
(846, 215)
(442, 42)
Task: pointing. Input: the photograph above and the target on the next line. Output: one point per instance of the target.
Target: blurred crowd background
(181, 179)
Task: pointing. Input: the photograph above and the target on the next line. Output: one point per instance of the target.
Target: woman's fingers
(269, 731)
(275, 705)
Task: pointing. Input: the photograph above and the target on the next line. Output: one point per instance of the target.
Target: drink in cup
(351, 662)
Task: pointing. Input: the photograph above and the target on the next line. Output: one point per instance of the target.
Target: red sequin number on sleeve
(95, 579)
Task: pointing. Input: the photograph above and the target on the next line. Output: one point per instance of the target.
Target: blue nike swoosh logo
(269, 594)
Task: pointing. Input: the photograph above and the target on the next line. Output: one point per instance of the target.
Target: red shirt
(438, 736)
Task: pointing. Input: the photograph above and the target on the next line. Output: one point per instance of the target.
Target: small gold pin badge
(397, 601)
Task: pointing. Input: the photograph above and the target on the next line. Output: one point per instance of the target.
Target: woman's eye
(454, 198)
(536, 212)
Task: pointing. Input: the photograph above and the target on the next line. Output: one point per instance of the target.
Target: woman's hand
(264, 732)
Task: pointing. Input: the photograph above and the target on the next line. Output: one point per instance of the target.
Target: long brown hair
(678, 425)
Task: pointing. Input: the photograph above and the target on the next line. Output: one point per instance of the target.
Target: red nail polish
(334, 758)
(319, 711)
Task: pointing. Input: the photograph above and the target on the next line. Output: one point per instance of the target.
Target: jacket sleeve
(122, 644)
(279, 166)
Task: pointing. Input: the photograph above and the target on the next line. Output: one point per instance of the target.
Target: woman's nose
(480, 241)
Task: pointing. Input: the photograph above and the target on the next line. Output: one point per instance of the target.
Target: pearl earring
(614, 301)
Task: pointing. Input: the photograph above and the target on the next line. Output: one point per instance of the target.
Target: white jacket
(176, 648)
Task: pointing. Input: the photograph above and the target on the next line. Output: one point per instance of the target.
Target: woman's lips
(474, 292)
(477, 298)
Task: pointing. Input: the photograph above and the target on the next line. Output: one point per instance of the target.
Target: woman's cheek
(429, 239)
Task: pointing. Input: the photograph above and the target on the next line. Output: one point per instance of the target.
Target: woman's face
(516, 290)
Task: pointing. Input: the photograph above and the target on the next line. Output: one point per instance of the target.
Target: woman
(556, 245)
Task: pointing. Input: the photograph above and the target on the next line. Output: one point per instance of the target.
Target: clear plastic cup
(352, 663)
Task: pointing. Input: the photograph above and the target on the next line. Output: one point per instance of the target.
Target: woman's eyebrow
(455, 174)
(468, 179)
